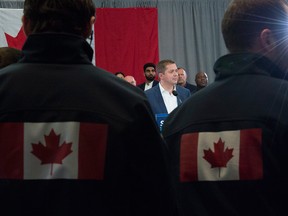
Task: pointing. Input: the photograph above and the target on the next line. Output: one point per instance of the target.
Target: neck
(167, 86)
(148, 81)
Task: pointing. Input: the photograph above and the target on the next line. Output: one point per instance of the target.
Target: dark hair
(149, 65)
(245, 19)
(161, 66)
(119, 72)
(9, 55)
(69, 16)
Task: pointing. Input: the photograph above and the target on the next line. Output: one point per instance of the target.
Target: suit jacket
(142, 85)
(156, 100)
(191, 87)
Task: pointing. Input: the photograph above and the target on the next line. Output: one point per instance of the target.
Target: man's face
(182, 77)
(201, 79)
(150, 73)
(170, 75)
(131, 80)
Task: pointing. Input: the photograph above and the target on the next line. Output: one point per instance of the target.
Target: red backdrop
(126, 39)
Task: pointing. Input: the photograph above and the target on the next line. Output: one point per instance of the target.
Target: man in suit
(167, 95)
(150, 75)
(182, 80)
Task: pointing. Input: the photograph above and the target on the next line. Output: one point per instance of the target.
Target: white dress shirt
(169, 99)
(148, 85)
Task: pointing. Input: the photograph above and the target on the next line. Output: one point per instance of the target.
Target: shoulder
(155, 82)
(183, 90)
(190, 86)
(152, 90)
(141, 85)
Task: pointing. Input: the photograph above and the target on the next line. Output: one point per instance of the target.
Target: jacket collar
(243, 63)
(56, 48)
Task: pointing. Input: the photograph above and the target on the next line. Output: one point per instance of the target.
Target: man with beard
(150, 74)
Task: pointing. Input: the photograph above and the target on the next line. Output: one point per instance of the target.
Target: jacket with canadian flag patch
(75, 139)
(228, 143)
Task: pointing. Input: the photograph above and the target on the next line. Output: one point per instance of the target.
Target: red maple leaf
(52, 153)
(18, 41)
(219, 158)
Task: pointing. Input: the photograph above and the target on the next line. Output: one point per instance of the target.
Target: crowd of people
(76, 139)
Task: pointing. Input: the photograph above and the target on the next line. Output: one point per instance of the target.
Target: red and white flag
(220, 156)
(53, 150)
(127, 35)
(11, 32)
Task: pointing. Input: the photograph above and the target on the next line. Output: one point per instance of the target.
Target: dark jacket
(228, 143)
(142, 85)
(56, 90)
(192, 88)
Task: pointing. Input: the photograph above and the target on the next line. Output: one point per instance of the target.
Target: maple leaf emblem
(220, 157)
(52, 153)
(18, 41)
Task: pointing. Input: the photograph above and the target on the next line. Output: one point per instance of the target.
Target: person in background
(130, 79)
(167, 95)
(71, 134)
(150, 75)
(182, 80)
(201, 80)
(228, 143)
(120, 74)
(9, 55)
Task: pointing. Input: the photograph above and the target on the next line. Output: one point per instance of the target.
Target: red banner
(126, 39)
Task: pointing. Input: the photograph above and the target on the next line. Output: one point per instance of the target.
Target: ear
(89, 27)
(92, 20)
(26, 25)
(267, 40)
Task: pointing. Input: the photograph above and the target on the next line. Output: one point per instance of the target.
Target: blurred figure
(182, 80)
(9, 55)
(150, 75)
(120, 74)
(130, 79)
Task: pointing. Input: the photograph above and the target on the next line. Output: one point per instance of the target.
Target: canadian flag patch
(52, 150)
(220, 156)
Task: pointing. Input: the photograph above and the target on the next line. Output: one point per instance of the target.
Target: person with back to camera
(228, 143)
(70, 141)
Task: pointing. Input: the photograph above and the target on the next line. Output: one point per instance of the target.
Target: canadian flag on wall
(11, 33)
(124, 38)
(69, 150)
(225, 155)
